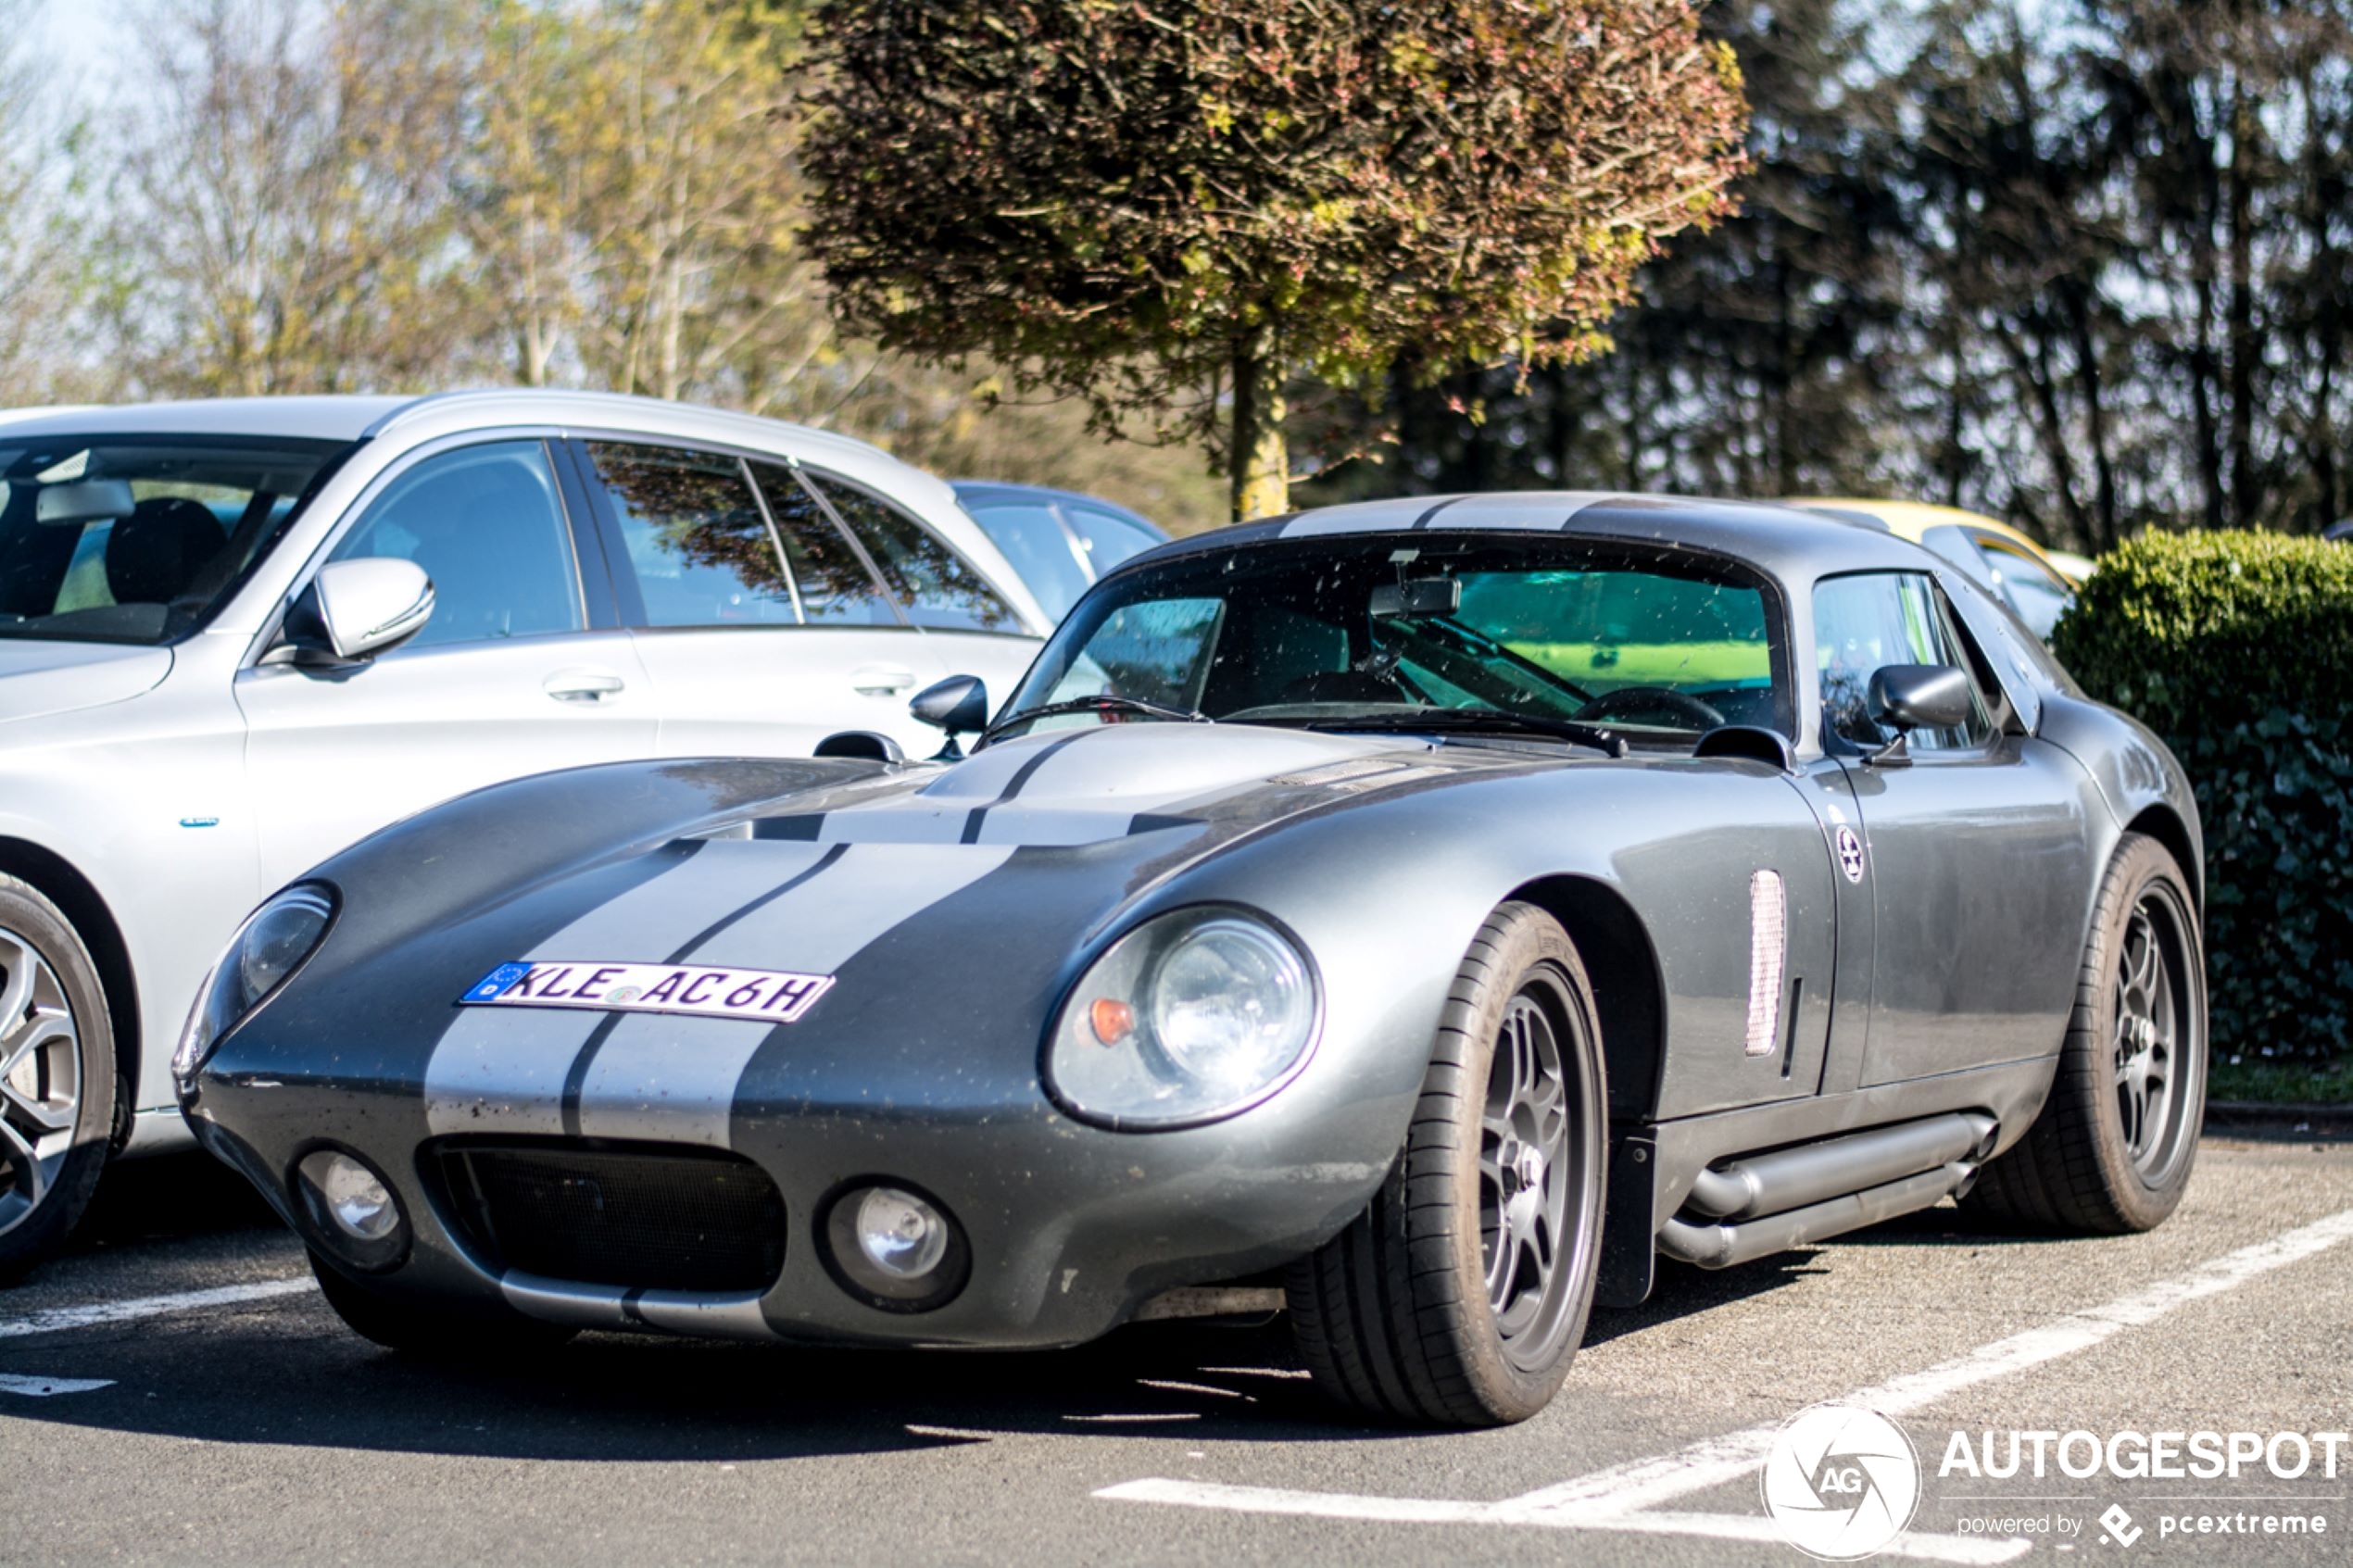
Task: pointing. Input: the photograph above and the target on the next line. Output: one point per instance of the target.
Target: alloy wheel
(2149, 1056)
(40, 1078)
(1535, 1171)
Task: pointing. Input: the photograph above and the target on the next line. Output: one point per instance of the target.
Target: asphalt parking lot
(176, 1390)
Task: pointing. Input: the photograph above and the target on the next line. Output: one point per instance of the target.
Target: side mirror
(958, 704)
(1904, 697)
(355, 610)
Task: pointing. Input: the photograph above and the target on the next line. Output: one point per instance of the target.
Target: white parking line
(46, 1388)
(1622, 1497)
(58, 1319)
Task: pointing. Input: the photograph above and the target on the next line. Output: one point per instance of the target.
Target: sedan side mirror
(1904, 697)
(958, 704)
(356, 609)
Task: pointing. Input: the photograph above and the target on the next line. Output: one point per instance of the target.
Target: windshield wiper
(1102, 703)
(1471, 720)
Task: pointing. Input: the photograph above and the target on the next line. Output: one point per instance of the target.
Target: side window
(2039, 597)
(488, 524)
(696, 537)
(834, 585)
(1865, 622)
(937, 587)
(1033, 540)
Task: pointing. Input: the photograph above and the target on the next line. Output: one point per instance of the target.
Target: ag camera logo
(1842, 1482)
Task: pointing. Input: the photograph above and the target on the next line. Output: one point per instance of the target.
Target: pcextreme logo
(1842, 1482)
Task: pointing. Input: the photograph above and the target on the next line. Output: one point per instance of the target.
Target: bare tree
(279, 210)
(44, 272)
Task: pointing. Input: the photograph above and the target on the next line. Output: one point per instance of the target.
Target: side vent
(1768, 953)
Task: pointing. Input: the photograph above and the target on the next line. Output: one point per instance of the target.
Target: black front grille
(665, 1219)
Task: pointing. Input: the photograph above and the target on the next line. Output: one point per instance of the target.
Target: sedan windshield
(136, 539)
(1656, 646)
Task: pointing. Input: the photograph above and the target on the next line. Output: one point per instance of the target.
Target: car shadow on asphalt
(288, 1371)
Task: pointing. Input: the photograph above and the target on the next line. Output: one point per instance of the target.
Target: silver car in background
(236, 636)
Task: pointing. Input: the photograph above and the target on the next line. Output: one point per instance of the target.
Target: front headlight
(1190, 1017)
(267, 950)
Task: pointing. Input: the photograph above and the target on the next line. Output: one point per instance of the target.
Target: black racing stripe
(577, 1076)
(1013, 785)
(708, 932)
(1423, 520)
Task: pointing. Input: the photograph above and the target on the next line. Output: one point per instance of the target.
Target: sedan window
(939, 589)
(486, 525)
(1033, 540)
(696, 536)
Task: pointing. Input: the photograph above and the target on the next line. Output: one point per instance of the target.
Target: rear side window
(939, 589)
(2039, 597)
(827, 575)
(696, 537)
(487, 525)
(1866, 623)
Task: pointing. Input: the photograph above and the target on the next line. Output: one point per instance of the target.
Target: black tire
(57, 1091)
(2085, 1166)
(1397, 1315)
(429, 1335)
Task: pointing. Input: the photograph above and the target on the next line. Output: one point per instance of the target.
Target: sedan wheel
(40, 1078)
(56, 1077)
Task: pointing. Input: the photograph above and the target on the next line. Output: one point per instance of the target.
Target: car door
(765, 628)
(510, 675)
(1972, 845)
(970, 627)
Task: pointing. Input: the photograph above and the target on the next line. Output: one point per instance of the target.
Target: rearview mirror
(958, 704)
(355, 610)
(91, 500)
(1919, 696)
(1420, 596)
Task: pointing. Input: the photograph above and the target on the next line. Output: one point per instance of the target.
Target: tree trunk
(1257, 459)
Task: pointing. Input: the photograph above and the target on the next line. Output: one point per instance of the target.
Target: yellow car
(2036, 583)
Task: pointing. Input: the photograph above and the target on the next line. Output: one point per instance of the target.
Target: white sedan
(236, 636)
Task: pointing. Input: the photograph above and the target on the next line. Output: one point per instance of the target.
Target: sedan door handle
(583, 685)
(881, 680)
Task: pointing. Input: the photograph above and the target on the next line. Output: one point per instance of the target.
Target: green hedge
(2238, 649)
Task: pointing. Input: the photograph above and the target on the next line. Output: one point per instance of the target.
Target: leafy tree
(1167, 208)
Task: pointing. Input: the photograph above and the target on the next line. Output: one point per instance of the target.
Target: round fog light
(895, 1249)
(900, 1233)
(351, 1207)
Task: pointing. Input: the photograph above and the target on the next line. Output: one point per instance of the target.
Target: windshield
(136, 539)
(1656, 646)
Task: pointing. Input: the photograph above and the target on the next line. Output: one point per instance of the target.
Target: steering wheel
(1628, 701)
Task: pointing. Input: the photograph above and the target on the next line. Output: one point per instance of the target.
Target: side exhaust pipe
(1810, 1173)
(1722, 1246)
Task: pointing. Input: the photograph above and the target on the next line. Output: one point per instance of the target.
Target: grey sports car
(1430, 912)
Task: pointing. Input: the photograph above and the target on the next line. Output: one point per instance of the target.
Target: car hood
(1068, 829)
(38, 679)
(1084, 787)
